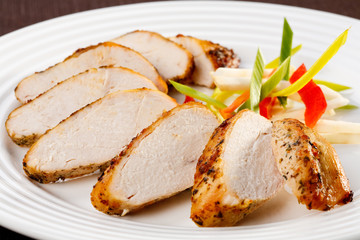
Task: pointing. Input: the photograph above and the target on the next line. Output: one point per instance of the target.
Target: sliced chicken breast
(171, 60)
(31, 120)
(208, 56)
(103, 54)
(158, 163)
(310, 165)
(236, 173)
(92, 136)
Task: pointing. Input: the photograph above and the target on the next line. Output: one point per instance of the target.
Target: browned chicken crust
(310, 165)
(219, 55)
(209, 207)
(216, 54)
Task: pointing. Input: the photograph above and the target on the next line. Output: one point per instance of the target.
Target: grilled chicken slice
(31, 120)
(236, 173)
(171, 60)
(158, 163)
(208, 56)
(310, 165)
(92, 136)
(103, 54)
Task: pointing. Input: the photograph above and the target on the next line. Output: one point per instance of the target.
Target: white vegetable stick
(332, 126)
(234, 79)
(341, 138)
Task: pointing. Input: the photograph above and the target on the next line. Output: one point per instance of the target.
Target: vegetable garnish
(286, 44)
(312, 96)
(348, 107)
(256, 81)
(316, 67)
(275, 63)
(266, 105)
(188, 91)
(228, 112)
(188, 99)
(275, 78)
(334, 86)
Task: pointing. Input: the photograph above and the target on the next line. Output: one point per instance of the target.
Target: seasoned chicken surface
(158, 163)
(31, 120)
(171, 60)
(236, 173)
(92, 136)
(310, 165)
(103, 54)
(208, 56)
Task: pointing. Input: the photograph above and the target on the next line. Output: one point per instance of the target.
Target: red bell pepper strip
(188, 99)
(312, 97)
(265, 106)
(228, 112)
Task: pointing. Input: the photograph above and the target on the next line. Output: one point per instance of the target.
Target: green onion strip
(286, 44)
(275, 63)
(274, 79)
(197, 94)
(256, 81)
(316, 67)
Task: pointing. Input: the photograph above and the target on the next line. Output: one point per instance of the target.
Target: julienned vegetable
(286, 45)
(275, 78)
(275, 63)
(255, 82)
(188, 91)
(318, 65)
(228, 112)
(265, 106)
(334, 86)
(256, 91)
(312, 97)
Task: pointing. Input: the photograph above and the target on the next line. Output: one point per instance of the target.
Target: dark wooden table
(15, 14)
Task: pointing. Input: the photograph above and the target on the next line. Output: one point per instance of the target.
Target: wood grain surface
(15, 14)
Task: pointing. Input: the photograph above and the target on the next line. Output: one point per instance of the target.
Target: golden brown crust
(159, 82)
(209, 207)
(310, 165)
(101, 196)
(218, 55)
(28, 140)
(46, 177)
(184, 78)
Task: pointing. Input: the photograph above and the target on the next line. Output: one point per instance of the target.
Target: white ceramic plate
(64, 211)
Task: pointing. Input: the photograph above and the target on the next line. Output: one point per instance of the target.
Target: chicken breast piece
(158, 163)
(236, 173)
(208, 56)
(310, 165)
(171, 60)
(103, 54)
(92, 136)
(28, 122)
